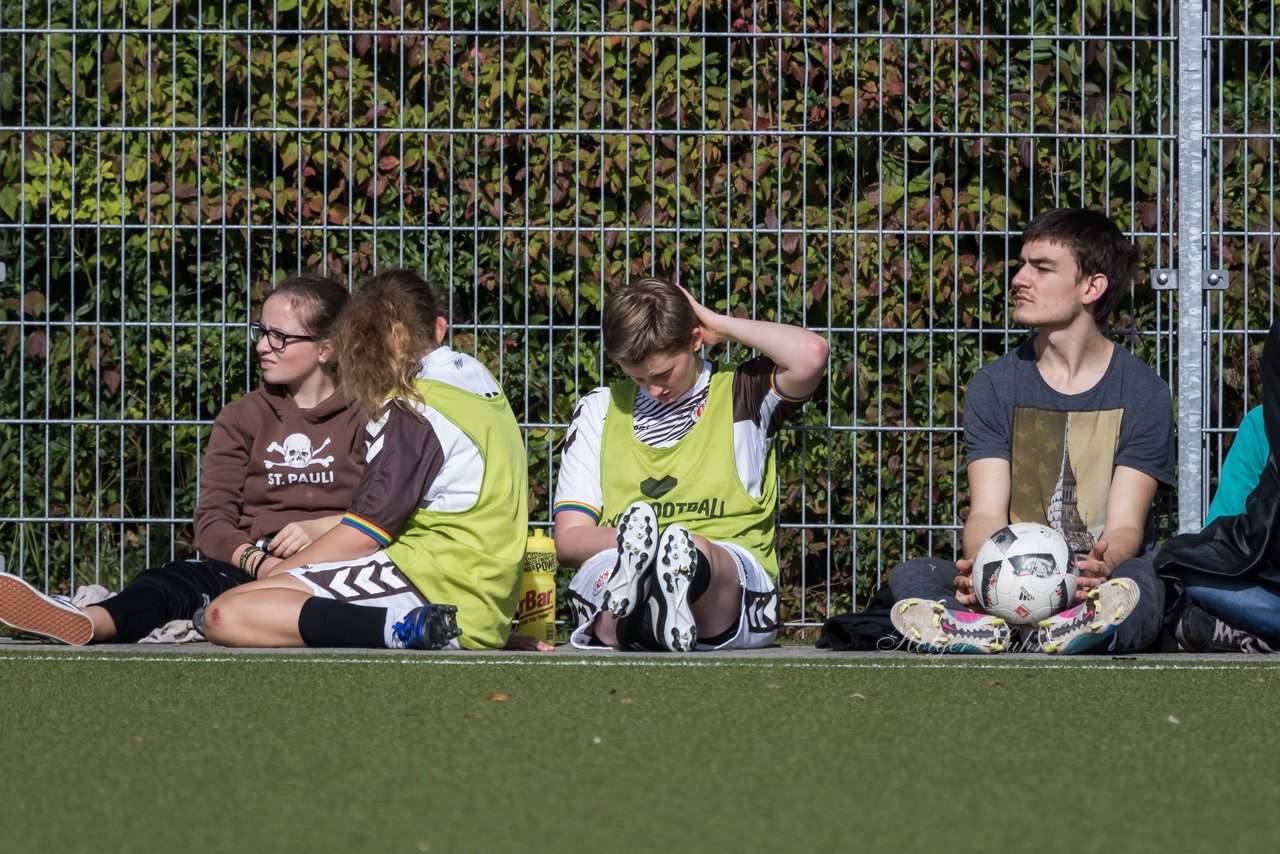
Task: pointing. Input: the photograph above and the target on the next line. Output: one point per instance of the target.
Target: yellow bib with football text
(472, 558)
(695, 481)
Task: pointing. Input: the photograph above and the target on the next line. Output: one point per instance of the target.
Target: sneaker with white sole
(1200, 631)
(669, 604)
(28, 610)
(933, 627)
(628, 583)
(1092, 622)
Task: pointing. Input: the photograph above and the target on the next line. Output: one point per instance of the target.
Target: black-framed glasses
(276, 339)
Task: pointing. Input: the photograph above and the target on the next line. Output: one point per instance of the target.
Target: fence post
(1190, 261)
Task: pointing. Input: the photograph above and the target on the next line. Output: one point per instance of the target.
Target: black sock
(630, 629)
(701, 578)
(327, 622)
(635, 631)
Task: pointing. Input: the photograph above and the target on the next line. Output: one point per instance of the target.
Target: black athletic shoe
(1200, 631)
(427, 627)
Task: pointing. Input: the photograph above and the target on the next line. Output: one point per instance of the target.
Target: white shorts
(757, 621)
(373, 581)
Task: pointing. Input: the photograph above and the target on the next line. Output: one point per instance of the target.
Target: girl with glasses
(428, 554)
(281, 464)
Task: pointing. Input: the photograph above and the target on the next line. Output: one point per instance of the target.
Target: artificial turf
(432, 753)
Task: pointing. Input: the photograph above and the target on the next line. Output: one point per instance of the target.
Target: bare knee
(221, 620)
(104, 626)
(717, 610)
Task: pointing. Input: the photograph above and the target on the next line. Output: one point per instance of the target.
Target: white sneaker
(637, 546)
(669, 605)
(28, 610)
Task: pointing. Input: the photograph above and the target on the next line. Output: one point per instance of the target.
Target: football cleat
(629, 581)
(28, 610)
(933, 627)
(671, 618)
(427, 627)
(1093, 621)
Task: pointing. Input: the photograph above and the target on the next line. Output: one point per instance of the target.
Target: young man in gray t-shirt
(1069, 430)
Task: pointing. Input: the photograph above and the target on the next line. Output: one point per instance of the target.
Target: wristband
(244, 559)
(257, 565)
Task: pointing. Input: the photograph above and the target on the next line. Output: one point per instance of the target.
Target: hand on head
(708, 321)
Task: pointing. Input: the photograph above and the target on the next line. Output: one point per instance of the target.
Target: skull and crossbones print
(297, 453)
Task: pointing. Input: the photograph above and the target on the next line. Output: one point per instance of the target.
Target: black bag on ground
(867, 630)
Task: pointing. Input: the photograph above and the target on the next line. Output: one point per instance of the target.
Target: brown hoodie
(270, 463)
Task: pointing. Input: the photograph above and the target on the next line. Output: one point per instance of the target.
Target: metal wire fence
(1238, 215)
(862, 169)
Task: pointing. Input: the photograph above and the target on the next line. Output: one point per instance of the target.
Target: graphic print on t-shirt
(1062, 467)
(297, 452)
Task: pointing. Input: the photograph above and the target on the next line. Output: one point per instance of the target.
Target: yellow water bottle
(536, 611)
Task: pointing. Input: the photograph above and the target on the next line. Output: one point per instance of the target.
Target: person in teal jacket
(1242, 467)
(1232, 613)
(1229, 572)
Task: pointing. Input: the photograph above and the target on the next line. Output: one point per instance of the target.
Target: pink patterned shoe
(933, 627)
(1093, 621)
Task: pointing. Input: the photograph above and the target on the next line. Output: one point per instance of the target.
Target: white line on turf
(460, 661)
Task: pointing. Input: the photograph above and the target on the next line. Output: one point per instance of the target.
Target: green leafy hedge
(859, 168)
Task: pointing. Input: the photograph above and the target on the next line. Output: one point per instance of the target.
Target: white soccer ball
(1024, 574)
